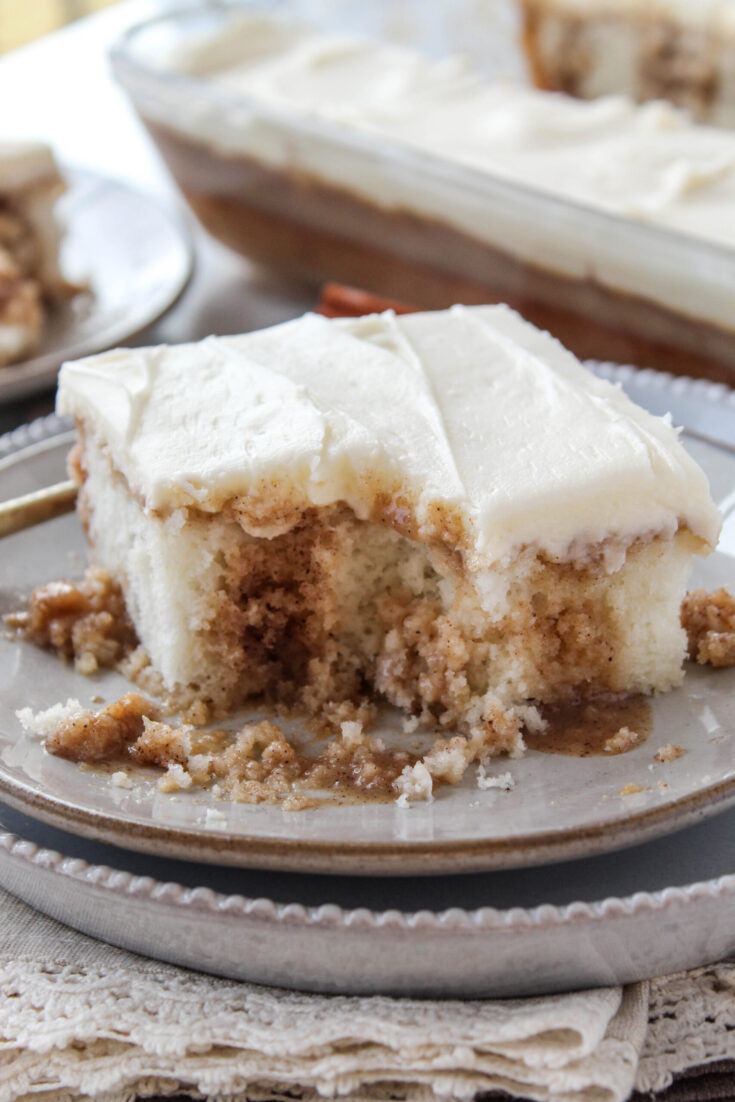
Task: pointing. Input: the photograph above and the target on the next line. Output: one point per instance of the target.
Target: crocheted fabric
(80, 1019)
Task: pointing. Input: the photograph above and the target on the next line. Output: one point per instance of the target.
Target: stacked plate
(589, 871)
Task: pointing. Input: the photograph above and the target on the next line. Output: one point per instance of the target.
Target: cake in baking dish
(30, 278)
(444, 510)
(332, 156)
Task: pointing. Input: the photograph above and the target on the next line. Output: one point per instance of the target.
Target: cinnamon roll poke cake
(443, 510)
(30, 278)
(332, 156)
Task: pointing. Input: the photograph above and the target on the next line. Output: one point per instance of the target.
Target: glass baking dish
(323, 201)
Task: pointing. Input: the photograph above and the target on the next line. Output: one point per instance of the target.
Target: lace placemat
(81, 1019)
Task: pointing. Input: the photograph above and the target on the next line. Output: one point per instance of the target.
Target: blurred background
(23, 20)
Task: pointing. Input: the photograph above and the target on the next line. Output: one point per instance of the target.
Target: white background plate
(561, 807)
(136, 258)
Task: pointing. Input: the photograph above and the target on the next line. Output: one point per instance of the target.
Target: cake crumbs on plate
(46, 721)
(121, 779)
(632, 789)
(174, 779)
(670, 752)
(622, 741)
(258, 763)
(709, 621)
(415, 783)
(504, 781)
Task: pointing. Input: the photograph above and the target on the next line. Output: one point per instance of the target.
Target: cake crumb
(670, 752)
(297, 801)
(410, 724)
(215, 818)
(503, 781)
(86, 621)
(414, 783)
(106, 735)
(121, 779)
(45, 722)
(448, 759)
(709, 621)
(351, 732)
(174, 779)
(196, 714)
(86, 663)
(664, 787)
(622, 741)
(632, 789)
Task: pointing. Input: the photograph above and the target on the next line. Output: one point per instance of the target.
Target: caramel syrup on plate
(584, 729)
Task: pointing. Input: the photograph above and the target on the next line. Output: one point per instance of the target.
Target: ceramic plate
(136, 259)
(561, 807)
(662, 907)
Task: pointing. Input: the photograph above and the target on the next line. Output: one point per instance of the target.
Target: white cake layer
(472, 409)
(172, 573)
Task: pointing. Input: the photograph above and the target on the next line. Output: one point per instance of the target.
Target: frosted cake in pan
(337, 157)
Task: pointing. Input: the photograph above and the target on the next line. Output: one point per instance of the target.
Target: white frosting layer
(471, 408)
(25, 164)
(648, 164)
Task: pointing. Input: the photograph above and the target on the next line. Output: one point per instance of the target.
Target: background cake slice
(444, 509)
(30, 277)
(683, 51)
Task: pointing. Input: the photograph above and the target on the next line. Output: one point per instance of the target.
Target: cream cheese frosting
(354, 114)
(648, 162)
(470, 408)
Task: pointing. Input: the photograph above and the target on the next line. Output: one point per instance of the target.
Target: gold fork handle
(23, 512)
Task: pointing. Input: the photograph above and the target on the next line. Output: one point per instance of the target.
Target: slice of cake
(444, 510)
(30, 278)
(647, 49)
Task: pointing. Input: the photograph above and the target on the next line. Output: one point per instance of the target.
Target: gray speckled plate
(136, 259)
(560, 807)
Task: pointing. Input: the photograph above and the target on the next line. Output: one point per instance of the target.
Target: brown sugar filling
(257, 764)
(709, 621)
(260, 763)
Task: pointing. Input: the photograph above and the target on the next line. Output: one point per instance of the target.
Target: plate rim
(360, 858)
(370, 858)
(149, 888)
(40, 371)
